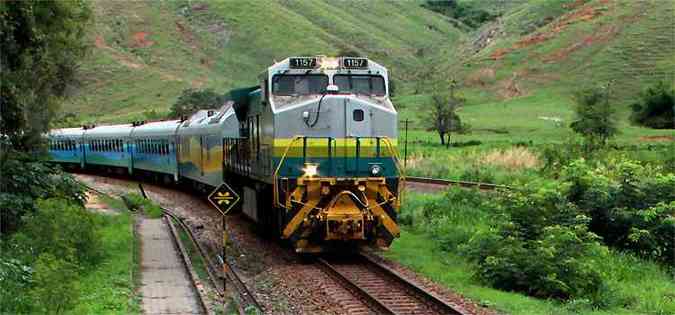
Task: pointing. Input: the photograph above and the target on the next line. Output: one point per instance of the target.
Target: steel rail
(247, 298)
(376, 305)
(379, 306)
(436, 302)
(460, 183)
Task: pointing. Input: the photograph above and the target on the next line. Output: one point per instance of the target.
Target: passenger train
(311, 150)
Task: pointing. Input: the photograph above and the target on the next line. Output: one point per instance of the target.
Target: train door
(201, 154)
(173, 155)
(130, 157)
(357, 124)
(358, 120)
(80, 143)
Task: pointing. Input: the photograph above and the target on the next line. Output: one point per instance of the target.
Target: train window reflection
(360, 84)
(299, 84)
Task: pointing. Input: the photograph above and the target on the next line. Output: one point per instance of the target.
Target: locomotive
(311, 149)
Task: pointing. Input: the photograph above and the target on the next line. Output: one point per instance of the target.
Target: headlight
(375, 170)
(310, 169)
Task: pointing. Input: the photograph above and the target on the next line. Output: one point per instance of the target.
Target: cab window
(299, 84)
(360, 84)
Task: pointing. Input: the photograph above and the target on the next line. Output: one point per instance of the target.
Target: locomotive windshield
(360, 84)
(299, 84)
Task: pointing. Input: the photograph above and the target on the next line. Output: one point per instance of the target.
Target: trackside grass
(108, 287)
(636, 286)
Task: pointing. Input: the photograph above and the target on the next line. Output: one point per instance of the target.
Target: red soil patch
(100, 42)
(584, 13)
(657, 138)
(499, 53)
(602, 36)
(140, 40)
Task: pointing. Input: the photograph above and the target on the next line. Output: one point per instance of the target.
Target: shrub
(655, 108)
(630, 205)
(56, 291)
(15, 276)
(24, 180)
(62, 229)
(541, 247)
(137, 202)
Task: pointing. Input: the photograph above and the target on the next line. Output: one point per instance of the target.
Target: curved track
(382, 289)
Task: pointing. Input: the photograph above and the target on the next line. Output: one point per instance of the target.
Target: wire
(318, 113)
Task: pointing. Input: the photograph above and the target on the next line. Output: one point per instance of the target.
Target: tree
(656, 108)
(192, 100)
(443, 114)
(42, 43)
(595, 119)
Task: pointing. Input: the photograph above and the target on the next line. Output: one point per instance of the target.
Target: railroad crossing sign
(224, 198)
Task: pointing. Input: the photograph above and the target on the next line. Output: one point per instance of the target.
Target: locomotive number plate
(302, 63)
(355, 63)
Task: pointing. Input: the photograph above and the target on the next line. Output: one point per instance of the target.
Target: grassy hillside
(524, 65)
(570, 44)
(146, 53)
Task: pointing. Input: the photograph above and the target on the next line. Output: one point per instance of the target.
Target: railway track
(459, 183)
(218, 272)
(382, 289)
(216, 278)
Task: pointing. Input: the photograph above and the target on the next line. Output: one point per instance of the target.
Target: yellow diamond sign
(223, 198)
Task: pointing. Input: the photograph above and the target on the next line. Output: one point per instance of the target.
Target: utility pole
(405, 146)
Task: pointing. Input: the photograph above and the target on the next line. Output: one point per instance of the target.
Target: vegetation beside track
(65, 259)
(438, 231)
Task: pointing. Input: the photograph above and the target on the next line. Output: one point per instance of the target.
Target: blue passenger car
(106, 146)
(65, 146)
(154, 147)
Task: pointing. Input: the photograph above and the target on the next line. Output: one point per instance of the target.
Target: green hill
(146, 53)
(529, 60)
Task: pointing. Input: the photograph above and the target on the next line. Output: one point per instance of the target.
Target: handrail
(275, 195)
(397, 162)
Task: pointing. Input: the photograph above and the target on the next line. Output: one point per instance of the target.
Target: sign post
(224, 198)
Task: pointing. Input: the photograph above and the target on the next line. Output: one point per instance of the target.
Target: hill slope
(529, 61)
(146, 53)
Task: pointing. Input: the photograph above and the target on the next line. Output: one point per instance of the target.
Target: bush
(655, 108)
(24, 180)
(15, 276)
(137, 202)
(56, 290)
(63, 230)
(540, 247)
(630, 205)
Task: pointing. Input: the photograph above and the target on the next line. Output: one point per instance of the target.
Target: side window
(358, 115)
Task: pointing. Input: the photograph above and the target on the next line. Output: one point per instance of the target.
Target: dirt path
(165, 285)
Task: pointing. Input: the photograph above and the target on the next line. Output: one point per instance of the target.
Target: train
(311, 149)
